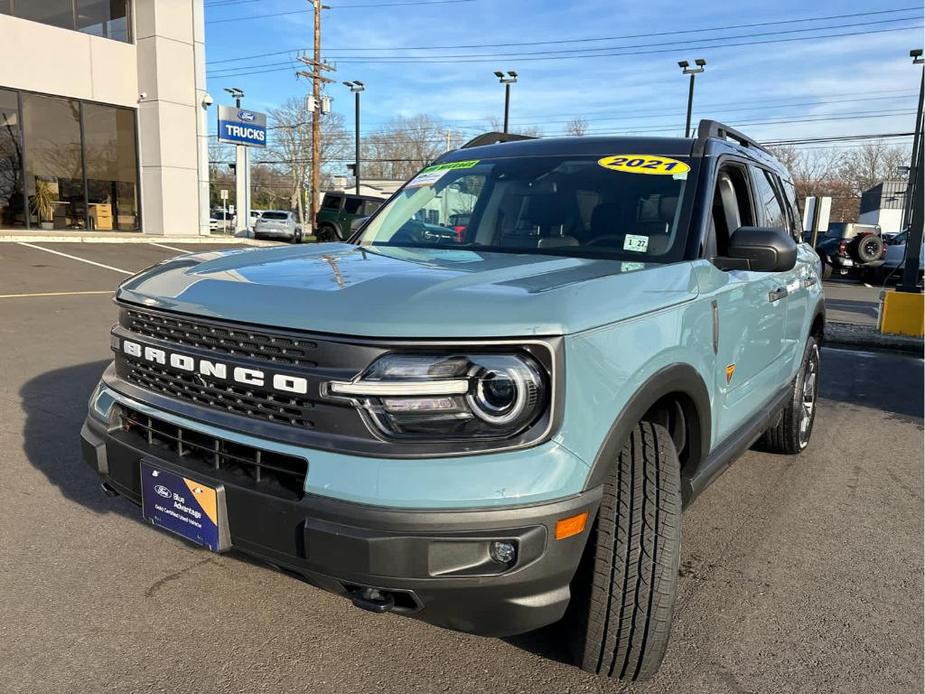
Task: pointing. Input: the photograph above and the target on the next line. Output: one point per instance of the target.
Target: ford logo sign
(161, 490)
(247, 116)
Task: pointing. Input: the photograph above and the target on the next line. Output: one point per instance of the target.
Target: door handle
(809, 281)
(777, 294)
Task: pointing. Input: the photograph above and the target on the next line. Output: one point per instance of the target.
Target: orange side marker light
(573, 525)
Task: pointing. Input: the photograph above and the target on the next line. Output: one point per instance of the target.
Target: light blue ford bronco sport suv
(490, 424)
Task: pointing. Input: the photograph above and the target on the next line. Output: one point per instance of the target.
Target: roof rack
(711, 128)
(494, 138)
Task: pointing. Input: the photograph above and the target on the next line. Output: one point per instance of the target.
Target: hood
(405, 292)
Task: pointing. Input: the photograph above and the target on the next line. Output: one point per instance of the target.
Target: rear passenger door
(774, 212)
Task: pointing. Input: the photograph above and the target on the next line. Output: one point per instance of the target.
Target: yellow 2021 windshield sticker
(645, 164)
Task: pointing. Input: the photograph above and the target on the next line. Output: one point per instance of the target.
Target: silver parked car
(278, 224)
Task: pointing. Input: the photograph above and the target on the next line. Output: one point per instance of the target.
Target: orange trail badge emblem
(730, 370)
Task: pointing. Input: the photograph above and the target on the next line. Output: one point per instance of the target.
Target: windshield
(576, 206)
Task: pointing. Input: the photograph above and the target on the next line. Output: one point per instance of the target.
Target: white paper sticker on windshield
(425, 180)
(635, 243)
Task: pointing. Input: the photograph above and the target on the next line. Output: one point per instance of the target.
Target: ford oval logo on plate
(163, 491)
(246, 116)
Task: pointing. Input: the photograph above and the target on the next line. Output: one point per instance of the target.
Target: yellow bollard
(902, 313)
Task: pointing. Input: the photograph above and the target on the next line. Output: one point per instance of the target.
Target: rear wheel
(792, 433)
(826, 269)
(868, 248)
(624, 591)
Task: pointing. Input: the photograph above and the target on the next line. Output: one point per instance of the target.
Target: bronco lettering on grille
(284, 383)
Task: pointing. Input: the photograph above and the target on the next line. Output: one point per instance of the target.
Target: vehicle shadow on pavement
(548, 643)
(55, 405)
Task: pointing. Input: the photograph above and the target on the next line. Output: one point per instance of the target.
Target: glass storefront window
(58, 13)
(108, 18)
(112, 168)
(67, 164)
(54, 163)
(12, 202)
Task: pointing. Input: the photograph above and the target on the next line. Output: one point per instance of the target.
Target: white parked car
(278, 224)
(254, 216)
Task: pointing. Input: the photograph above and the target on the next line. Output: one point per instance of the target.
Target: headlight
(449, 397)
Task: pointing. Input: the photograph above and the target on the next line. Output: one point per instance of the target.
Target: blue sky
(824, 86)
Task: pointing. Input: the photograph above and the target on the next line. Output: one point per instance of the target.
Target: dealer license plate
(183, 506)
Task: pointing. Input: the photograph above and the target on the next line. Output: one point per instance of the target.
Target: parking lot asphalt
(850, 301)
(799, 574)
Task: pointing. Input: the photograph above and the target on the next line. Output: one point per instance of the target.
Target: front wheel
(326, 234)
(624, 592)
(792, 433)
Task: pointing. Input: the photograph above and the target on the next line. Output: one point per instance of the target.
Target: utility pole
(314, 74)
(686, 69)
(913, 212)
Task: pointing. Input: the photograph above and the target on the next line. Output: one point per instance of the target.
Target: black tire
(297, 237)
(826, 269)
(868, 248)
(791, 435)
(624, 592)
(327, 233)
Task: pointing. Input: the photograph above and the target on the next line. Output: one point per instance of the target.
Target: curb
(126, 238)
(851, 335)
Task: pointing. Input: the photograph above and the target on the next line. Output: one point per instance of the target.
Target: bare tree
(405, 145)
(289, 148)
(577, 126)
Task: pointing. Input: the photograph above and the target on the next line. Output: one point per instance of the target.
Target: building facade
(883, 204)
(103, 116)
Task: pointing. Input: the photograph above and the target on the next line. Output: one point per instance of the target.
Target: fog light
(503, 552)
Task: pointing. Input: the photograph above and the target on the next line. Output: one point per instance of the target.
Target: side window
(790, 197)
(352, 205)
(732, 209)
(331, 202)
(768, 201)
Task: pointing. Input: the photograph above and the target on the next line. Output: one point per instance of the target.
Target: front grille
(238, 399)
(275, 473)
(243, 342)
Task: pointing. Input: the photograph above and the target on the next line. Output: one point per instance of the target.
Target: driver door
(750, 310)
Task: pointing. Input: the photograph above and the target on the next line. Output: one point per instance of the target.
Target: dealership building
(103, 116)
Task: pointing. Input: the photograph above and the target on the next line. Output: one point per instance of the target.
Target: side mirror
(763, 249)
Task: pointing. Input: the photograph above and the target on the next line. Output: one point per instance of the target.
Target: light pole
(242, 184)
(686, 69)
(507, 80)
(912, 210)
(356, 87)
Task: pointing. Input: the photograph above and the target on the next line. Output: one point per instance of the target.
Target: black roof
(584, 145)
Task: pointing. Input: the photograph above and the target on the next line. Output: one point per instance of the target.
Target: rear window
(275, 215)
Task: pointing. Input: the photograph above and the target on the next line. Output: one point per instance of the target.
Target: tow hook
(372, 600)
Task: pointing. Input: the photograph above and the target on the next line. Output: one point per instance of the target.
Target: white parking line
(170, 248)
(74, 257)
(24, 296)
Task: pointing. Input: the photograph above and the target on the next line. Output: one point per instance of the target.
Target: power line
(590, 39)
(422, 61)
(337, 7)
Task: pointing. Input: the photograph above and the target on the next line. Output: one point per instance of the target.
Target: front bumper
(433, 564)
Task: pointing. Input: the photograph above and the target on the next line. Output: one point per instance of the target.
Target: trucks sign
(242, 127)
